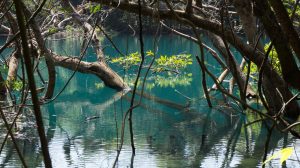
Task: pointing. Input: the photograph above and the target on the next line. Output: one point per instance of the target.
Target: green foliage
(173, 63)
(273, 57)
(69, 28)
(3, 69)
(17, 85)
(149, 53)
(53, 30)
(95, 8)
(167, 71)
(128, 61)
(289, 6)
(99, 85)
(164, 63)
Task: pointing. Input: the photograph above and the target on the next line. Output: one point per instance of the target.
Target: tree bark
(286, 25)
(231, 64)
(290, 71)
(13, 67)
(245, 12)
(199, 3)
(100, 69)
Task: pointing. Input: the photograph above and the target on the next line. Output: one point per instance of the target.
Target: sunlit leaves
(14, 84)
(273, 58)
(95, 8)
(283, 154)
(164, 63)
(129, 60)
(52, 30)
(99, 85)
(289, 6)
(149, 53)
(173, 63)
(167, 70)
(17, 85)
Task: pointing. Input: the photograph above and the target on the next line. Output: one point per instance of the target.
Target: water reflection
(83, 126)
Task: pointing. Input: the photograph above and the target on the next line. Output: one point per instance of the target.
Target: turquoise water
(169, 130)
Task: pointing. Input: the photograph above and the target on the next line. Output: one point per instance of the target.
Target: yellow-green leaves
(274, 60)
(164, 63)
(283, 154)
(53, 30)
(167, 70)
(95, 8)
(99, 85)
(174, 62)
(129, 60)
(149, 53)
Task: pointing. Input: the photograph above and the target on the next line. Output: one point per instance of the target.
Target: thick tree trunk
(100, 69)
(248, 20)
(244, 10)
(13, 67)
(290, 71)
(286, 25)
(51, 76)
(231, 64)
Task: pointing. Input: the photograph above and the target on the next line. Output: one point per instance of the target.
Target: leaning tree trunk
(100, 69)
(244, 10)
(232, 65)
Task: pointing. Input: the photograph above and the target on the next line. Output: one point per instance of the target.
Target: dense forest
(149, 83)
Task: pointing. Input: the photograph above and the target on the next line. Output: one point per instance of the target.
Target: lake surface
(173, 126)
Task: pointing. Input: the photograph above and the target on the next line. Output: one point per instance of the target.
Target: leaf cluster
(167, 71)
(164, 63)
(273, 58)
